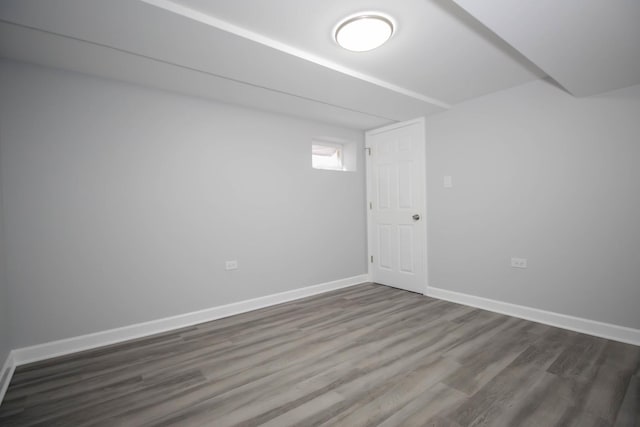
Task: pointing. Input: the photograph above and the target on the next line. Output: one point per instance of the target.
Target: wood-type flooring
(367, 355)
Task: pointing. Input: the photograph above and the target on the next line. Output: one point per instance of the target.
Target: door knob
(416, 217)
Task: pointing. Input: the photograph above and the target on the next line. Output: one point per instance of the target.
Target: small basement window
(327, 155)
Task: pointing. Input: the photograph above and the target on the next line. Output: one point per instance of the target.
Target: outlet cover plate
(518, 262)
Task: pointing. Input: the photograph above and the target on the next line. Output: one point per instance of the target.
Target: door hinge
(370, 205)
(371, 258)
(368, 150)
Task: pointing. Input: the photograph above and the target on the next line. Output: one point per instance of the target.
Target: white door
(396, 183)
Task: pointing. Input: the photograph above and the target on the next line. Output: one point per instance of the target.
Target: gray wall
(5, 332)
(5, 341)
(539, 174)
(122, 204)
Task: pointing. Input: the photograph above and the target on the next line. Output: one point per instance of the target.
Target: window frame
(340, 149)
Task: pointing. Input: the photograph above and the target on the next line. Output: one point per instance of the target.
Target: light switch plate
(447, 181)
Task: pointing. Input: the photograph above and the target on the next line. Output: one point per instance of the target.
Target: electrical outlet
(518, 262)
(231, 265)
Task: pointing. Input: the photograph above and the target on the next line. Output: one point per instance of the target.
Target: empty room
(320, 213)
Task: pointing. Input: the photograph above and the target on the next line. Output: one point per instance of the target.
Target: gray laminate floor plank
(360, 356)
(427, 408)
(629, 412)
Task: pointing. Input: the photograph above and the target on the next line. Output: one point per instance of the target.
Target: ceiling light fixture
(364, 32)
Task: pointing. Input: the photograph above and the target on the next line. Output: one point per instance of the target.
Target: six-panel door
(396, 179)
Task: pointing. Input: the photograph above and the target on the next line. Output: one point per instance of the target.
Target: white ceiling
(279, 55)
(587, 46)
(437, 49)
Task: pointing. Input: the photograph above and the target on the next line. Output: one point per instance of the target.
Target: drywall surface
(122, 204)
(5, 332)
(539, 174)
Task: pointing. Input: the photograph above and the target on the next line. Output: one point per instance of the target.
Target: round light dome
(364, 32)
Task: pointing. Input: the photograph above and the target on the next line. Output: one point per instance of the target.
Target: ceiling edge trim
(283, 47)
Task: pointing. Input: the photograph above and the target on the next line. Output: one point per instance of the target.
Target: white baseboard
(578, 324)
(51, 349)
(5, 375)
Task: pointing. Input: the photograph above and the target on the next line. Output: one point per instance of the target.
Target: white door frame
(422, 224)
